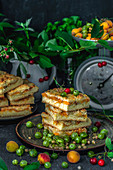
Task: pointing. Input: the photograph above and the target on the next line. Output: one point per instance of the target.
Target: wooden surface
(7, 133)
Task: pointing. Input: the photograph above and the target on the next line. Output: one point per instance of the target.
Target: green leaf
(19, 29)
(75, 19)
(6, 24)
(18, 23)
(45, 62)
(51, 41)
(110, 154)
(33, 55)
(28, 21)
(97, 30)
(2, 15)
(88, 44)
(30, 29)
(2, 164)
(66, 38)
(18, 71)
(108, 143)
(33, 166)
(22, 67)
(53, 47)
(44, 36)
(105, 44)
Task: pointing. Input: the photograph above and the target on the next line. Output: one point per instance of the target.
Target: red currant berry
(46, 78)
(100, 65)
(104, 63)
(97, 124)
(101, 162)
(7, 56)
(28, 76)
(5, 49)
(31, 62)
(41, 80)
(67, 90)
(93, 161)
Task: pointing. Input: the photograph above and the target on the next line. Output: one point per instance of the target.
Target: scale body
(89, 77)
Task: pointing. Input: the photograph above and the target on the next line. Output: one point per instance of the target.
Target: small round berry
(104, 63)
(93, 161)
(112, 160)
(67, 90)
(7, 56)
(41, 80)
(100, 65)
(31, 62)
(46, 78)
(97, 124)
(28, 76)
(101, 162)
(5, 49)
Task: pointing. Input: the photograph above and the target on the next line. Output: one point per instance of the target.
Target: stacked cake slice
(65, 115)
(16, 95)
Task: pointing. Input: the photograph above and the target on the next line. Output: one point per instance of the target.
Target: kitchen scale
(96, 81)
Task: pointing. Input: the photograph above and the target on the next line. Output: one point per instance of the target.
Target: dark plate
(35, 106)
(24, 133)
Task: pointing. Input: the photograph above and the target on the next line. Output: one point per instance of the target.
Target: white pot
(35, 72)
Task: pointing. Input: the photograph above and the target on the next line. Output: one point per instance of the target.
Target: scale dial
(95, 81)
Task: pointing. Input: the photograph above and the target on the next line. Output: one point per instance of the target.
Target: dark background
(44, 11)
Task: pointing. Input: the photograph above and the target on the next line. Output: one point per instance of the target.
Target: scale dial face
(95, 81)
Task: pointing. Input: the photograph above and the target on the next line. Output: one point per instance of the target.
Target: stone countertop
(7, 133)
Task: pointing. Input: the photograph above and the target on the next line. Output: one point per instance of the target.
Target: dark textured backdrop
(44, 11)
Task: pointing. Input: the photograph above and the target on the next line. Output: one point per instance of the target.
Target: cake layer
(3, 102)
(58, 132)
(69, 103)
(64, 125)
(15, 111)
(22, 91)
(24, 101)
(6, 79)
(11, 86)
(58, 114)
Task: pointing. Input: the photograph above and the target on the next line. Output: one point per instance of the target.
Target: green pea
(63, 94)
(83, 135)
(49, 139)
(72, 89)
(29, 124)
(78, 139)
(104, 131)
(39, 126)
(101, 136)
(74, 134)
(64, 165)
(38, 135)
(54, 156)
(22, 147)
(49, 135)
(72, 146)
(84, 141)
(23, 163)
(59, 141)
(94, 129)
(15, 162)
(66, 139)
(46, 143)
(55, 137)
(76, 92)
(44, 138)
(47, 165)
(19, 152)
(33, 153)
